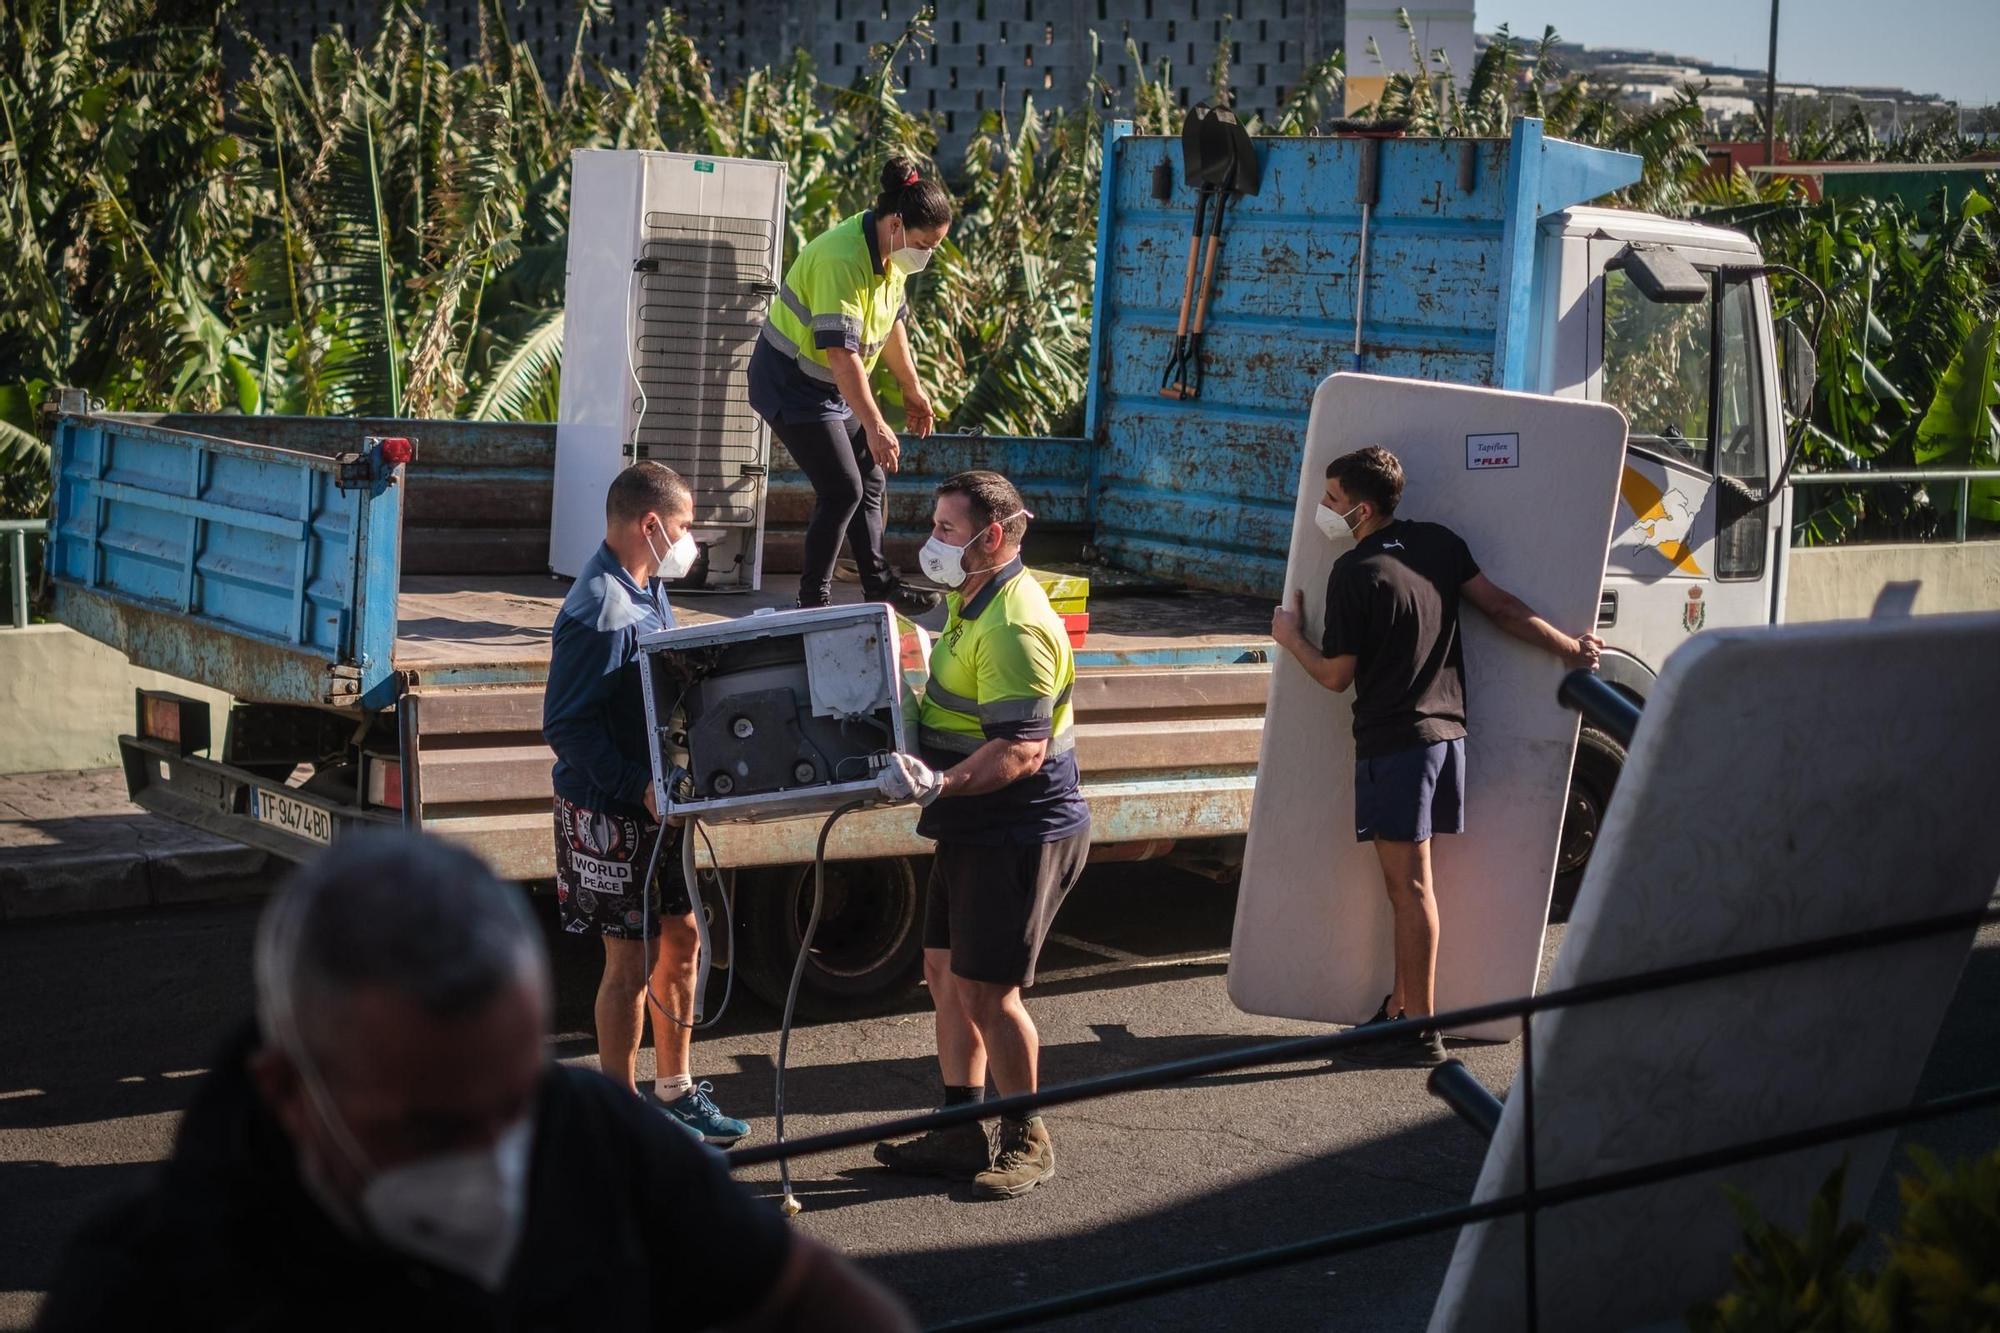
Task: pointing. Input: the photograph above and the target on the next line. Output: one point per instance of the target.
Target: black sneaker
(1413, 1050)
(1382, 1014)
(910, 601)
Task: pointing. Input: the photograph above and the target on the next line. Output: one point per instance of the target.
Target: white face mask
(462, 1211)
(1336, 528)
(910, 258)
(677, 559)
(944, 563)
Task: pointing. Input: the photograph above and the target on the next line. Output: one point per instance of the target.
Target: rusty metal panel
(1201, 490)
(476, 500)
(473, 711)
(1053, 475)
(522, 845)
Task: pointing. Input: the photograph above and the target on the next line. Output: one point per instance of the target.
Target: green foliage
(1942, 1272)
(1792, 1284)
(378, 230)
(1512, 79)
(1909, 373)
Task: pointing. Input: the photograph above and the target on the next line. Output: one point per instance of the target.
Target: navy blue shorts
(1411, 794)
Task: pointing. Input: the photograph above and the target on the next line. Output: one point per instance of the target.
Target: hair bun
(899, 173)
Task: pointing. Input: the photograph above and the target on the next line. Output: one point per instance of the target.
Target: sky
(1948, 47)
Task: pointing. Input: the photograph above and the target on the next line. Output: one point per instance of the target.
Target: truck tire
(1591, 781)
(868, 956)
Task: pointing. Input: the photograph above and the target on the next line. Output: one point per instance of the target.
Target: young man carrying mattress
(1392, 633)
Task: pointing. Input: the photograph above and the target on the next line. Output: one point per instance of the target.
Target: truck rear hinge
(374, 465)
(343, 684)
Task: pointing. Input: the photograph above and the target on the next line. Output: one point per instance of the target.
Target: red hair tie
(911, 179)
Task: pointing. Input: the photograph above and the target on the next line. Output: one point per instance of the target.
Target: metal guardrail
(1909, 476)
(1454, 1087)
(16, 530)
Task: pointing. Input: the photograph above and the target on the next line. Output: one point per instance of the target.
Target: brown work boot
(1025, 1159)
(958, 1152)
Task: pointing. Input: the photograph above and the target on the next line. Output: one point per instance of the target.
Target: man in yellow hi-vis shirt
(839, 308)
(998, 784)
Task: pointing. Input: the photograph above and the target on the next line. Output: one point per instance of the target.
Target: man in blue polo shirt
(594, 718)
(998, 783)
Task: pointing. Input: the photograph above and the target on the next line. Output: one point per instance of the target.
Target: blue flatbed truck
(383, 626)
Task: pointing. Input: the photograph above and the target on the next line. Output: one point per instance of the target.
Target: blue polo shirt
(594, 709)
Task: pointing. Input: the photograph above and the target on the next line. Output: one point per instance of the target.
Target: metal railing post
(1964, 504)
(17, 594)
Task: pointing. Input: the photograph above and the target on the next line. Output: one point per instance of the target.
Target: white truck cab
(1693, 364)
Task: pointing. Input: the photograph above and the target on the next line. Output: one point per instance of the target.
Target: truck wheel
(1591, 782)
(868, 954)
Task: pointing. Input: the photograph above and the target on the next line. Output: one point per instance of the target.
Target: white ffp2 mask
(1335, 527)
(911, 258)
(463, 1210)
(677, 559)
(944, 563)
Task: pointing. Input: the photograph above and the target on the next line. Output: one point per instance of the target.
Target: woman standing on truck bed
(841, 307)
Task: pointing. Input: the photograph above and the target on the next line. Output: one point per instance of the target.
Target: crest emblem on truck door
(1695, 614)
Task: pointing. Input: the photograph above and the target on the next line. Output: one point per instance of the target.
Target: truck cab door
(1686, 552)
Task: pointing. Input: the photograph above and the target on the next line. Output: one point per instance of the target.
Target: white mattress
(1312, 937)
(1786, 785)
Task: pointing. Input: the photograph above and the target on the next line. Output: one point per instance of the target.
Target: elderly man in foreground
(392, 1146)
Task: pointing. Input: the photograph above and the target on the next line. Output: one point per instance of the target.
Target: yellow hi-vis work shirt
(1003, 669)
(838, 293)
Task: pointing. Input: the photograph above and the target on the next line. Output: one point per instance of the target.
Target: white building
(1441, 25)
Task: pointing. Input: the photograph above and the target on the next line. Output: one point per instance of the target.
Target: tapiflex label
(1489, 451)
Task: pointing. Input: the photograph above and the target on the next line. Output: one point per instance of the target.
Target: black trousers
(848, 491)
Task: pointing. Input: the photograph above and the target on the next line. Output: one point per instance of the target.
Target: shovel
(1205, 148)
(1367, 193)
(1233, 144)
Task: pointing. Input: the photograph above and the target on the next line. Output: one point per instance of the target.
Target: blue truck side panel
(215, 560)
(1202, 489)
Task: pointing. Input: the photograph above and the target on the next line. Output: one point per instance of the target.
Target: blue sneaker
(697, 1113)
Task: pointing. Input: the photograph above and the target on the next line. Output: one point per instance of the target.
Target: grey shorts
(1411, 794)
(993, 906)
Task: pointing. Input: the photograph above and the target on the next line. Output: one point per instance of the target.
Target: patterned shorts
(600, 858)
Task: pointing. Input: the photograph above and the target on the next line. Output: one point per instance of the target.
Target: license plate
(293, 816)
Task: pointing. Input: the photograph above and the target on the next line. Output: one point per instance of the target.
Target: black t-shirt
(631, 1225)
(1392, 602)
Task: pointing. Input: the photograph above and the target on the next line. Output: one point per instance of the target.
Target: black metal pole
(1601, 705)
(1453, 1084)
(1771, 95)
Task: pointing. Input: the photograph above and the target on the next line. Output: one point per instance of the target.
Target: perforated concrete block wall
(988, 54)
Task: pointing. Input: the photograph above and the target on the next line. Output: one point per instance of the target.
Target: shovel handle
(1187, 286)
(1207, 281)
(1194, 248)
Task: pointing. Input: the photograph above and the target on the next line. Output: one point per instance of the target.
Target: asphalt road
(109, 1019)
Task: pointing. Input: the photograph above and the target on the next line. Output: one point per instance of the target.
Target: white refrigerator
(673, 260)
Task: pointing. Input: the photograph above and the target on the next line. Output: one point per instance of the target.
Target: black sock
(1013, 1119)
(963, 1096)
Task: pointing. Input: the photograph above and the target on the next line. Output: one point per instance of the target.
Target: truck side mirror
(1801, 369)
(1662, 274)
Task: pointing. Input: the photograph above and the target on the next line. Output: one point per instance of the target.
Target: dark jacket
(631, 1225)
(593, 707)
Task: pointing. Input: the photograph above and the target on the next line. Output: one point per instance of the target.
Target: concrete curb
(36, 886)
(71, 842)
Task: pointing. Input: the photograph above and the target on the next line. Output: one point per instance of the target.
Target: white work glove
(908, 778)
